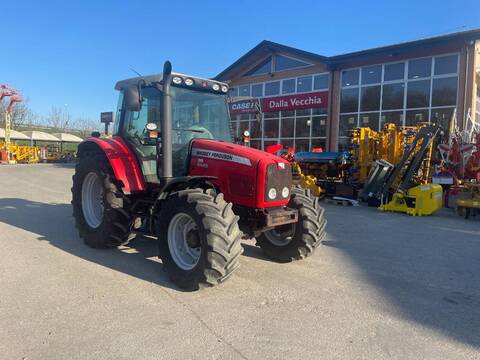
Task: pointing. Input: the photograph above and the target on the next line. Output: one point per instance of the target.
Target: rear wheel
(100, 209)
(298, 240)
(199, 238)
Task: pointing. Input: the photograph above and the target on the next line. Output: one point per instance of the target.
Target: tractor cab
(198, 110)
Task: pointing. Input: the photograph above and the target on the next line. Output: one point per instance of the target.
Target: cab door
(134, 131)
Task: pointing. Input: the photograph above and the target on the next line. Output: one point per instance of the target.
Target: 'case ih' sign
(317, 99)
(244, 106)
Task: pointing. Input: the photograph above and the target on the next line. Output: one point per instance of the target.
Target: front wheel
(296, 241)
(100, 209)
(199, 238)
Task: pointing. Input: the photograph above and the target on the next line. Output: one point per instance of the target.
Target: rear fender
(122, 160)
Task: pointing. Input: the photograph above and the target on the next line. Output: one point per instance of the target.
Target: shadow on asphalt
(429, 276)
(54, 223)
(427, 268)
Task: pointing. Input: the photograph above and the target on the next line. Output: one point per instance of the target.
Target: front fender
(122, 160)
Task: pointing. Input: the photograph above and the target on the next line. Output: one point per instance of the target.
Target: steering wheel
(198, 132)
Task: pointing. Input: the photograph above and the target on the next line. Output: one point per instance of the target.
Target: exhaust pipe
(167, 122)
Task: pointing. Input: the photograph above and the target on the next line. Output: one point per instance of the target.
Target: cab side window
(150, 113)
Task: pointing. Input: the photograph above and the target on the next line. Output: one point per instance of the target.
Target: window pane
(245, 90)
(272, 88)
(303, 112)
(302, 127)
(288, 86)
(349, 100)
(347, 123)
(271, 115)
(418, 94)
(391, 117)
(394, 72)
(446, 64)
(370, 120)
(302, 145)
(257, 144)
(319, 126)
(350, 77)
(393, 95)
(255, 129)
(233, 92)
(372, 74)
(304, 84)
(285, 63)
(442, 117)
(243, 116)
(242, 127)
(257, 90)
(343, 144)
(320, 82)
(287, 127)
(270, 128)
(416, 116)
(370, 98)
(319, 111)
(288, 113)
(319, 143)
(444, 91)
(264, 68)
(234, 126)
(419, 68)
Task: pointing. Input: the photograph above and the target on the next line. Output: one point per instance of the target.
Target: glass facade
(303, 129)
(405, 93)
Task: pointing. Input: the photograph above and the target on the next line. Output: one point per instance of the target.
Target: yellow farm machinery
(403, 186)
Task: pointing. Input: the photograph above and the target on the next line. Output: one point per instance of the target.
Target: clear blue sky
(72, 52)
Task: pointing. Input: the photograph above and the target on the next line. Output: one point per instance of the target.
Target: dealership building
(309, 100)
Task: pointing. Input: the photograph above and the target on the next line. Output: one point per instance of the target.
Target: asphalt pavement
(381, 286)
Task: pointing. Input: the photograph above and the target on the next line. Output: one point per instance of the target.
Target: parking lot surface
(382, 285)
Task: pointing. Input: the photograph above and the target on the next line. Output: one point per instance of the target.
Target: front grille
(278, 178)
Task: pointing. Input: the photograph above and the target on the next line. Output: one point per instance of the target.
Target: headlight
(272, 194)
(189, 81)
(216, 87)
(285, 192)
(224, 88)
(177, 80)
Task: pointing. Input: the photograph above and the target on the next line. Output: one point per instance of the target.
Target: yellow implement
(420, 200)
(465, 207)
(306, 181)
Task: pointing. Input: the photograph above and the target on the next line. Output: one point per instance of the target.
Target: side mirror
(132, 99)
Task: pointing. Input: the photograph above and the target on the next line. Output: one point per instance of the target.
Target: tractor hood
(232, 153)
(243, 174)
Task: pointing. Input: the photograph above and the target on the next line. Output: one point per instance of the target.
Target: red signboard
(317, 99)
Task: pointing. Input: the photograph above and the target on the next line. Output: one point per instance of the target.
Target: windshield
(199, 115)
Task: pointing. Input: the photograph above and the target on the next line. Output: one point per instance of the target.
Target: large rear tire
(296, 241)
(100, 209)
(199, 238)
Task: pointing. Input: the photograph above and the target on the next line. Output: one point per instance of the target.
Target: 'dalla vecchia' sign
(317, 99)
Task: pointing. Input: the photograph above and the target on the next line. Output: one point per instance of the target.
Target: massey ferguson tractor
(171, 171)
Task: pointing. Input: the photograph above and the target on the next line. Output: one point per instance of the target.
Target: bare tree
(20, 114)
(59, 118)
(85, 126)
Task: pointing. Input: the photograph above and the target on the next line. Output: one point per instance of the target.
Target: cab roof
(122, 84)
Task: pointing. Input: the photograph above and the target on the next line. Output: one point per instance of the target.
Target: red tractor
(171, 171)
